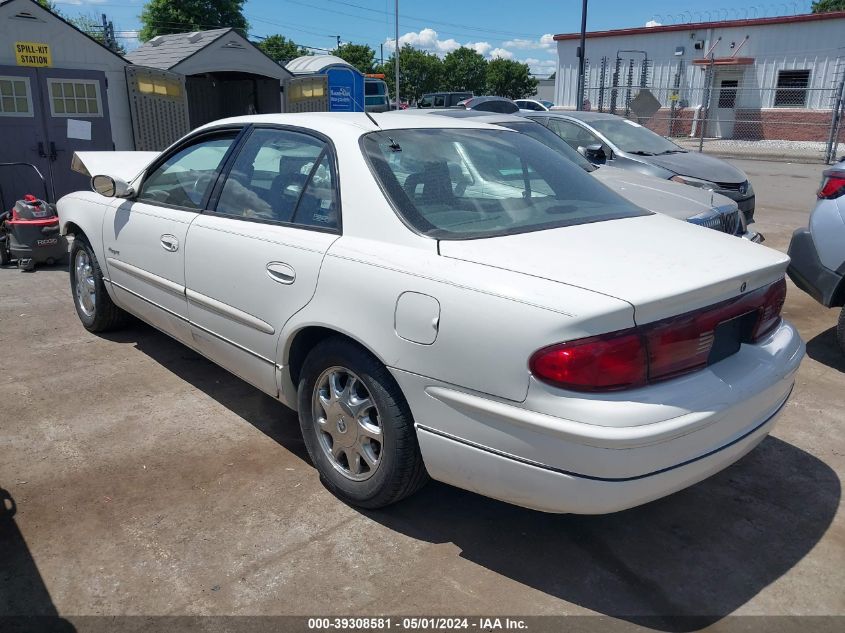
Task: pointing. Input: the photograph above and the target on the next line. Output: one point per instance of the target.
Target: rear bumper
(809, 274)
(642, 445)
(540, 487)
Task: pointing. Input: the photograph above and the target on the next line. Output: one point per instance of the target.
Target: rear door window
(281, 176)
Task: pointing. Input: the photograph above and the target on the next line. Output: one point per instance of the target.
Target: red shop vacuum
(29, 230)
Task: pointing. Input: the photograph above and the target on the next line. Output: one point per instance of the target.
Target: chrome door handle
(281, 272)
(169, 243)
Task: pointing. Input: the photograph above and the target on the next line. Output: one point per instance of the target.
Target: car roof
(345, 122)
(585, 116)
(486, 117)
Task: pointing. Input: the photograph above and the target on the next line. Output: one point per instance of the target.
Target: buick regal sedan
(508, 328)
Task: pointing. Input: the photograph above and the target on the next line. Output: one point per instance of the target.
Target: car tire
(93, 304)
(343, 388)
(5, 255)
(840, 331)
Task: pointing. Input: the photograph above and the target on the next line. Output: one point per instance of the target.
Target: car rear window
(472, 183)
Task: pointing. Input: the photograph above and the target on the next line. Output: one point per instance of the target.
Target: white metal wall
(816, 46)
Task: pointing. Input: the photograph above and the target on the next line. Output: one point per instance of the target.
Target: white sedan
(443, 298)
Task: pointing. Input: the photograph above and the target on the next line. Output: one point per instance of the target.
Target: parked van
(375, 93)
(442, 99)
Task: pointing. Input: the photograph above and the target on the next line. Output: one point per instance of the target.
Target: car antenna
(394, 146)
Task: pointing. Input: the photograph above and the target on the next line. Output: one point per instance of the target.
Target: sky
(494, 28)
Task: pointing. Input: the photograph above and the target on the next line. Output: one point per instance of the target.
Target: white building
(772, 77)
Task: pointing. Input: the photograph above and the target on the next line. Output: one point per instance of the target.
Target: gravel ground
(803, 151)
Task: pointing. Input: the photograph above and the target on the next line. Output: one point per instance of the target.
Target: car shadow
(266, 414)
(824, 349)
(25, 603)
(676, 564)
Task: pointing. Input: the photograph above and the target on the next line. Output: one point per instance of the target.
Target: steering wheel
(201, 184)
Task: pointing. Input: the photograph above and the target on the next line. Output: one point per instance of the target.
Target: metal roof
(698, 26)
(166, 51)
(315, 63)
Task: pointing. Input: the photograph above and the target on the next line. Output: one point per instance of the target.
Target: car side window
(439, 101)
(184, 177)
(270, 174)
(318, 204)
(425, 102)
(573, 134)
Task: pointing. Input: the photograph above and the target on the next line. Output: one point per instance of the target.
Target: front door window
(184, 178)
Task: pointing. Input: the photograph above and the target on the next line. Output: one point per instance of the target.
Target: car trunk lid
(660, 266)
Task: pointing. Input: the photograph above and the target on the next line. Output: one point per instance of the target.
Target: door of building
(47, 114)
(723, 109)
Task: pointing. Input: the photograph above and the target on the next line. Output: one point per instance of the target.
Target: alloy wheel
(347, 423)
(86, 287)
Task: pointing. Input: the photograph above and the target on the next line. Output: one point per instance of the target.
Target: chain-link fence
(740, 106)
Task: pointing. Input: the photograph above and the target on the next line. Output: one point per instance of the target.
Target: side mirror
(593, 153)
(111, 187)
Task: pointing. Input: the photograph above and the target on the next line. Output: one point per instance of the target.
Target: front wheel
(357, 426)
(840, 331)
(90, 297)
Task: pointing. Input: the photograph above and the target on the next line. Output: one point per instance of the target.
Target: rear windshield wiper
(673, 151)
(642, 153)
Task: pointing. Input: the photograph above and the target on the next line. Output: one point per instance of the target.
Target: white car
(514, 328)
(534, 105)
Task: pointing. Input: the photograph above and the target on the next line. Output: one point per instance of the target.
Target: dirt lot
(148, 481)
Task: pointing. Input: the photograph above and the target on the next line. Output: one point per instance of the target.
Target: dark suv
(442, 99)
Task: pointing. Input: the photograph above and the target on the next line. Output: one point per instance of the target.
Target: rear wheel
(357, 426)
(90, 297)
(840, 331)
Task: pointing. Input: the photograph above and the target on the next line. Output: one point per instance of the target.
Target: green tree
(419, 72)
(359, 55)
(280, 49)
(161, 17)
(50, 6)
(825, 6)
(464, 69)
(507, 78)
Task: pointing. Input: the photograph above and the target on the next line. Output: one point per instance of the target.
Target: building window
(75, 98)
(15, 97)
(727, 94)
(792, 89)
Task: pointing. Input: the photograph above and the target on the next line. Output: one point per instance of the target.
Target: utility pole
(381, 53)
(582, 58)
(108, 33)
(338, 40)
(396, 55)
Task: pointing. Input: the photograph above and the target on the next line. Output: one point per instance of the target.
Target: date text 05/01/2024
(416, 623)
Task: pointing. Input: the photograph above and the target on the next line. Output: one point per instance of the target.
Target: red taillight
(599, 363)
(657, 351)
(769, 315)
(833, 185)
